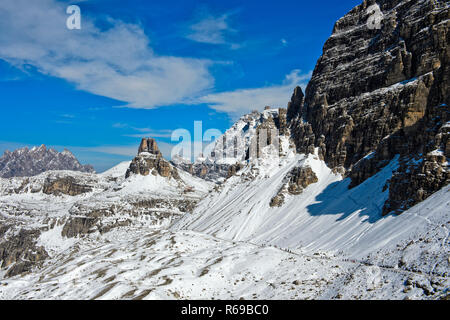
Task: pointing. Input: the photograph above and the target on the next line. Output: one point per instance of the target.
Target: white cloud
(149, 133)
(212, 30)
(242, 101)
(119, 125)
(143, 132)
(117, 63)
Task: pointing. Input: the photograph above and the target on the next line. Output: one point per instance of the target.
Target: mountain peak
(149, 160)
(149, 145)
(25, 162)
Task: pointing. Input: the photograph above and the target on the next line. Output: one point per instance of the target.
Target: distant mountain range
(26, 162)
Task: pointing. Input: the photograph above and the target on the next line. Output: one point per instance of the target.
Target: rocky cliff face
(377, 93)
(65, 185)
(20, 252)
(31, 162)
(150, 161)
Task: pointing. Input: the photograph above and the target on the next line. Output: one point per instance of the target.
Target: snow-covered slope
(118, 238)
(58, 206)
(150, 263)
(141, 264)
(101, 236)
(118, 170)
(326, 216)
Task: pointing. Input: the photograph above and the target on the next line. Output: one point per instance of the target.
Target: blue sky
(145, 68)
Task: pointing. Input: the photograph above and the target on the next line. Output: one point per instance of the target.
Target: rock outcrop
(295, 106)
(149, 145)
(294, 183)
(233, 169)
(208, 171)
(378, 93)
(65, 185)
(300, 178)
(20, 253)
(31, 162)
(150, 161)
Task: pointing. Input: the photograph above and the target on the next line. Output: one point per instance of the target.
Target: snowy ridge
(236, 147)
(30, 162)
(117, 171)
(239, 138)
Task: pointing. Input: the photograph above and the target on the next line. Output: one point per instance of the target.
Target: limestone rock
(65, 185)
(20, 253)
(300, 178)
(294, 183)
(295, 106)
(375, 94)
(233, 169)
(150, 161)
(149, 145)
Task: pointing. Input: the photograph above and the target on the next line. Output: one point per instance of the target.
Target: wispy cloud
(119, 125)
(118, 62)
(212, 29)
(143, 132)
(68, 116)
(148, 133)
(242, 101)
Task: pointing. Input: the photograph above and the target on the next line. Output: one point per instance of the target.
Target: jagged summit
(27, 162)
(254, 136)
(149, 160)
(149, 145)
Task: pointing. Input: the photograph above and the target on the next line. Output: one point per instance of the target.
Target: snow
(117, 171)
(329, 242)
(140, 263)
(240, 133)
(242, 211)
(53, 242)
(436, 152)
